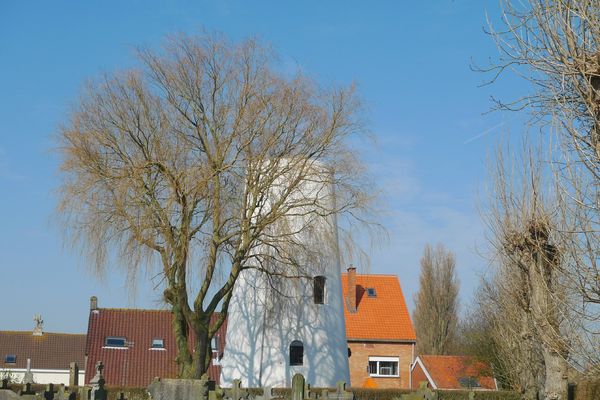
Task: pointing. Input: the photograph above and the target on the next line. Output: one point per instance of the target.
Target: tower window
(319, 289)
(296, 353)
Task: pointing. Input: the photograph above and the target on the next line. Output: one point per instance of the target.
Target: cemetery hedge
(479, 395)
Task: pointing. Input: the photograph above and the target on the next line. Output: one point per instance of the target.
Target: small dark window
(215, 344)
(296, 353)
(10, 359)
(112, 341)
(319, 289)
(371, 292)
(158, 343)
(468, 382)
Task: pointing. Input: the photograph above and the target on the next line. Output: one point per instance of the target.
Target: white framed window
(157, 344)
(384, 366)
(115, 342)
(215, 344)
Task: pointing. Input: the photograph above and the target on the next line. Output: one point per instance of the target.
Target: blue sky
(410, 61)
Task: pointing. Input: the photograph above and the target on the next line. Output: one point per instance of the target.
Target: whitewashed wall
(43, 376)
(261, 325)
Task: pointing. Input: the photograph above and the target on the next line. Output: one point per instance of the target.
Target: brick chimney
(93, 303)
(351, 292)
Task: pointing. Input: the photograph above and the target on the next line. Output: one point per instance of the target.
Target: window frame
(162, 344)
(378, 360)
(115, 346)
(296, 353)
(214, 344)
(371, 292)
(319, 289)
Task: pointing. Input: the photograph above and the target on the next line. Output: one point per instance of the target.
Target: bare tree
(436, 303)
(526, 297)
(554, 45)
(208, 161)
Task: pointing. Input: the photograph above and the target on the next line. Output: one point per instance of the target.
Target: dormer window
(319, 289)
(371, 292)
(10, 359)
(114, 341)
(158, 343)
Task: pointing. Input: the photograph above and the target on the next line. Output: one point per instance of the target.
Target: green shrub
(479, 395)
(378, 394)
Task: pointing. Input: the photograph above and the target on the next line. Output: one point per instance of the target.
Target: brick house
(380, 334)
(50, 355)
(452, 373)
(136, 346)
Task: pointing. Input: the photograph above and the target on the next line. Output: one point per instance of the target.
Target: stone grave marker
(236, 392)
(49, 392)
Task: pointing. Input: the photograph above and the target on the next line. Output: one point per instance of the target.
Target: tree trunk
(547, 324)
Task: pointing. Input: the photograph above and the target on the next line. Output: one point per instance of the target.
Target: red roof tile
(47, 351)
(136, 365)
(446, 371)
(383, 317)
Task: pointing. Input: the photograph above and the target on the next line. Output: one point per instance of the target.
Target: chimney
(351, 292)
(93, 303)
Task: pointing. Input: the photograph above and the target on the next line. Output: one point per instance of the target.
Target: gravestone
(27, 390)
(98, 391)
(73, 374)
(180, 389)
(341, 393)
(49, 392)
(422, 393)
(236, 392)
(267, 394)
(298, 388)
(28, 377)
(7, 394)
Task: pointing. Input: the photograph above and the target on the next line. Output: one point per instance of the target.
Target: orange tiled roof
(384, 317)
(446, 371)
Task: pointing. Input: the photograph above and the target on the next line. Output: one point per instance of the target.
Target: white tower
(278, 327)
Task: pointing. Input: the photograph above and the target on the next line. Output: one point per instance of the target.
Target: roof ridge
(449, 356)
(131, 309)
(378, 275)
(44, 333)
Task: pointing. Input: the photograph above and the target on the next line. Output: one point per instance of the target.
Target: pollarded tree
(526, 298)
(555, 46)
(197, 160)
(436, 304)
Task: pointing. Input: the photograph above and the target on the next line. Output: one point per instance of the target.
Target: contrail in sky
(485, 132)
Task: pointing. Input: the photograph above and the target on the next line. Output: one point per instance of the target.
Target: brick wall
(418, 377)
(359, 362)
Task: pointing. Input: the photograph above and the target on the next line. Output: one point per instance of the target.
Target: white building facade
(280, 326)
